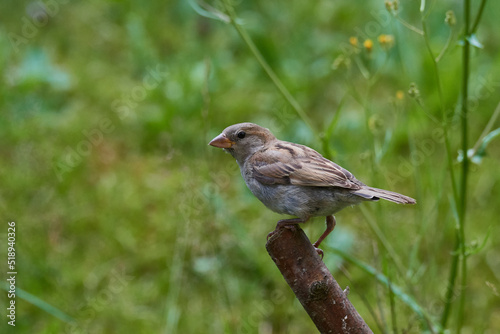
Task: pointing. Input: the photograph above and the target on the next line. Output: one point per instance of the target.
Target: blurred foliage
(129, 223)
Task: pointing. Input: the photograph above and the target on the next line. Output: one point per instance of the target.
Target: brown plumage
(294, 179)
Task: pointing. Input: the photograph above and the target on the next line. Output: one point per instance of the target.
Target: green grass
(128, 222)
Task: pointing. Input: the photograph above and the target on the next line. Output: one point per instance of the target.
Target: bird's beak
(221, 141)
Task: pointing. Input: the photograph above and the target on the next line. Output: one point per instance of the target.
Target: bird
(294, 179)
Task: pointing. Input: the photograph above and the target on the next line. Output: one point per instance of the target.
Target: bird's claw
(289, 227)
(319, 251)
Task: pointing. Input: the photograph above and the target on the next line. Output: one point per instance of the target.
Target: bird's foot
(290, 227)
(270, 234)
(319, 251)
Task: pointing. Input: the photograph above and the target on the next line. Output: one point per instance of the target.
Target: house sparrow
(294, 179)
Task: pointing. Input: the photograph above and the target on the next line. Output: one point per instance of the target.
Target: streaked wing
(300, 165)
(322, 173)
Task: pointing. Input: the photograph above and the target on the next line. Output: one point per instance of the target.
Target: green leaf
(41, 304)
(481, 151)
(474, 41)
(382, 279)
(211, 12)
(422, 6)
(327, 134)
(475, 248)
(489, 137)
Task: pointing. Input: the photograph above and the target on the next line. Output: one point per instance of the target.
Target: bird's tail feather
(375, 193)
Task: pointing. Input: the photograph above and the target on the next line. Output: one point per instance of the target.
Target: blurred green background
(127, 222)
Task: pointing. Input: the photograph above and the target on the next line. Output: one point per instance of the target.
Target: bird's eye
(241, 134)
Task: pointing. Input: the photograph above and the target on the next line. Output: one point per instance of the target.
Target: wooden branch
(313, 284)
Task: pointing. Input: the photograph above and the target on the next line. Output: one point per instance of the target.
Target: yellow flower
(400, 95)
(353, 40)
(368, 44)
(386, 41)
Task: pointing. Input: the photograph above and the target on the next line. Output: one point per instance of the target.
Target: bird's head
(242, 140)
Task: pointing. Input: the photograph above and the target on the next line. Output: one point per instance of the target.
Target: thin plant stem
(378, 292)
(326, 135)
(446, 46)
(387, 252)
(398, 291)
(443, 112)
(478, 17)
(424, 14)
(383, 240)
(427, 112)
(450, 288)
(363, 298)
(385, 256)
(274, 78)
(455, 255)
(205, 93)
(423, 223)
(362, 68)
(409, 26)
(392, 301)
(375, 76)
(486, 130)
(462, 207)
